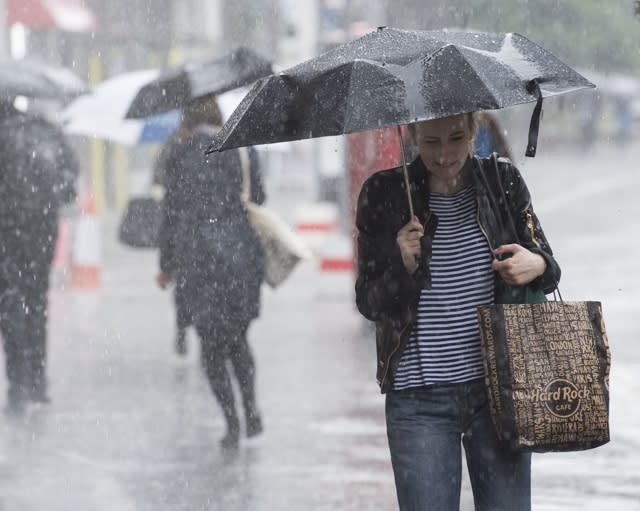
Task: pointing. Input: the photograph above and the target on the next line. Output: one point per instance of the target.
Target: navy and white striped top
(444, 346)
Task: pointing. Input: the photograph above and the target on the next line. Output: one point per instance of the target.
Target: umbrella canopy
(102, 113)
(393, 77)
(36, 80)
(178, 86)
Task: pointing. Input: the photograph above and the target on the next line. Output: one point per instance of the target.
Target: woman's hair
(199, 111)
(471, 122)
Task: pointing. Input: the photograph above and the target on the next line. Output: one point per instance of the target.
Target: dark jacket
(386, 293)
(38, 171)
(206, 241)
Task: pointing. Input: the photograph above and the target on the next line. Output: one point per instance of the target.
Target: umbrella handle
(405, 171)
(407, 185)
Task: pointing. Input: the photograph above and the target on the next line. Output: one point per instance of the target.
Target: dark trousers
(23, 324)
(228, 342)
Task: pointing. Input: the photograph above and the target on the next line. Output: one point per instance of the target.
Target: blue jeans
(424, 428)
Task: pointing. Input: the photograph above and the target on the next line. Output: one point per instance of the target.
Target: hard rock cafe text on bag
(547, 374)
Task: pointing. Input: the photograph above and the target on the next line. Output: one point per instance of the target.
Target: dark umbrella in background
(393, 77)
(176, 87)
(37, 80)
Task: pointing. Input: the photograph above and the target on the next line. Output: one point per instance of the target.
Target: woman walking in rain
(420, 279)
(210, 250)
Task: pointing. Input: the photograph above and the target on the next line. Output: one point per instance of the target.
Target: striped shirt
(444, 345)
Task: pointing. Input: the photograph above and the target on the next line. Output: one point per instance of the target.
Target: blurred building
(99, 39)
(428, 14)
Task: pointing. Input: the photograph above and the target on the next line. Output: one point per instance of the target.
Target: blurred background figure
(211, 253)
(163, 174)
(587, 112)
(222, 78)
(490, 136)
(39, 171)
(624, 121)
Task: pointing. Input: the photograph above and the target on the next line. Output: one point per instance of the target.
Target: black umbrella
(37, 80)
(196, 79)
(392, 77)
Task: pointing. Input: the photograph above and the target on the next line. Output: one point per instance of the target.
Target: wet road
(134, 427)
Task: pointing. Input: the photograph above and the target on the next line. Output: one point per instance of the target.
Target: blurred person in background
(209, 249)
(490, 136)
(624, 121)
(39, 171)
(588, 108)
(420, 279)
(163, 171)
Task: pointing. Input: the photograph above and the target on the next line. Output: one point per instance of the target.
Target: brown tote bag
(546, 369)
(547, 374)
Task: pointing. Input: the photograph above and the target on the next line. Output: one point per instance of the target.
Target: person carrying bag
(431, 248)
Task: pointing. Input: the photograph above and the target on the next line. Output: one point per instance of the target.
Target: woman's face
(444, 145)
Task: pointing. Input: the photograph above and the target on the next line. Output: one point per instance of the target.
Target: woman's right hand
(408, 239)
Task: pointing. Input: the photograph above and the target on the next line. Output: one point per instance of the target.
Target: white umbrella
(101, 114)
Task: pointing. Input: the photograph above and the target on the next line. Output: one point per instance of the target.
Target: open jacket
(387, 294)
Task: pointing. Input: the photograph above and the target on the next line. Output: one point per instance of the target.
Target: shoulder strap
(501, 204)
(245, 165)
(506, 201)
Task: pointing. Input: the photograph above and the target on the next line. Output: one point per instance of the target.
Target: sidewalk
(133, 427)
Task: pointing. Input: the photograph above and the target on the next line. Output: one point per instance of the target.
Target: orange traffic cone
(86, 252)
(62, 253)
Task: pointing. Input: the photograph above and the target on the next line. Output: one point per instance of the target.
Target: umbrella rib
(347, 110)
(485, 85)
(221, 138)
(360, 63)
(475, 72)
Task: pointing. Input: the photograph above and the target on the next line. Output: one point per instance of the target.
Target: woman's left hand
(521, 268)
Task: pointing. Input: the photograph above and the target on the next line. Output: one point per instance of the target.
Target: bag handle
(512, 223)
(507, 208)
(492, 198)
(555, 297)
(245, 165)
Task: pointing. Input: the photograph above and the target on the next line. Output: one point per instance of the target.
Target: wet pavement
(132, 426)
